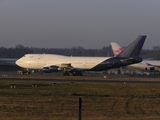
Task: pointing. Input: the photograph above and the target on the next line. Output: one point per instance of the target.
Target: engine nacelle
(54, 68)
(46, 70)
(51, 69)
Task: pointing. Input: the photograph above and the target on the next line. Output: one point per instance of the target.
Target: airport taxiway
(114, 79)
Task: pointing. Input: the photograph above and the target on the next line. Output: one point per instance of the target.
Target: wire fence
(85, 108)
(27, 101)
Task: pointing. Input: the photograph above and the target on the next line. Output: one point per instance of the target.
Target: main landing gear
(66, 73)
(77, 73)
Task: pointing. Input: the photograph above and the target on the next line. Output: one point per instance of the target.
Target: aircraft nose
(18, 62)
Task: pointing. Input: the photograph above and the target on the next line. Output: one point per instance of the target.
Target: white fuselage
(147, 65)
(38, 61)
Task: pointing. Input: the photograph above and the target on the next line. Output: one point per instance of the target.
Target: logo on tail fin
(117, 52)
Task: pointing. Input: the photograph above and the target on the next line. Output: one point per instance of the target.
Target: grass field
(60, 101)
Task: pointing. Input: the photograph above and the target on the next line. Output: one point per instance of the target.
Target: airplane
(76, 65)
(8, 64)
(146, 65)
(8, 61)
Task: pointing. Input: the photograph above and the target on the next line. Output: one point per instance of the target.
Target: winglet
(134, 48)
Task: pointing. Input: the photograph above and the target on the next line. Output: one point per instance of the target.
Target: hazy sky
(87, 23)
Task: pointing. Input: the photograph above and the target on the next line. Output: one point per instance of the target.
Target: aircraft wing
(7, 61)
(145, 59)
(56, 68)
(152, 65)
(66, 66)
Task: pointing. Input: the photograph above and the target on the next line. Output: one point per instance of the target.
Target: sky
(91, 24)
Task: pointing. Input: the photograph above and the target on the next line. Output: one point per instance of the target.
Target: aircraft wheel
(66, 74)
(78, 73)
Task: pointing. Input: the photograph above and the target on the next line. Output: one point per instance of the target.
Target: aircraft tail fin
(134, 48)
(116, 48)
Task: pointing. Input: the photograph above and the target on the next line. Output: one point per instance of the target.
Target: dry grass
(99, 101)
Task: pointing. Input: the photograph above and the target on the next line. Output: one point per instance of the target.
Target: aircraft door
(41, 60)
(39, 57)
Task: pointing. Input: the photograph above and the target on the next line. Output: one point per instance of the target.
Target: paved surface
(87, 78)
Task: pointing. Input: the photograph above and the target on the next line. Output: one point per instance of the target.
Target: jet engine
(51, 69)
(54, 68)
(46, 70)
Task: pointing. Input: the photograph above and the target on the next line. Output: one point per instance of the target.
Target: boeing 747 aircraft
(7, 61)
(68, 64)
(146, 65)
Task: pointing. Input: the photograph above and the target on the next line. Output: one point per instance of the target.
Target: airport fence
(26, 101)
(86, 108)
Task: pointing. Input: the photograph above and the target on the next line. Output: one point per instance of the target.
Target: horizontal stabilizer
(132, 59)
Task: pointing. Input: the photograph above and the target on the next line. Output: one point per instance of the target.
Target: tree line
(19, 50)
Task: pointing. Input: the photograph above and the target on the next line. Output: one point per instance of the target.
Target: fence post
(13, 86)
(80, 108)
